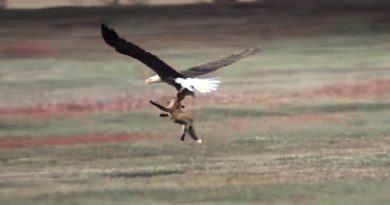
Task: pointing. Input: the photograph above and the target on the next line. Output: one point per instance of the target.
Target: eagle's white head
(153, 79)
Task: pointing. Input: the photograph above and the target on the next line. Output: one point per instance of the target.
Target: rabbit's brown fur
(175, 112)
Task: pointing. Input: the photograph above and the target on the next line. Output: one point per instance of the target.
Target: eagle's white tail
(202, 85)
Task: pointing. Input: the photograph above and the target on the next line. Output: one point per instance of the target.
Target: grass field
(304, 122)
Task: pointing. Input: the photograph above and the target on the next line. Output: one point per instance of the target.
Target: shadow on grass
(148, 173)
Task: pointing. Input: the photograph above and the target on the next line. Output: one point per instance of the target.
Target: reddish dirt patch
(127, 104)
(372, 88)
(244, 97)
(76, 107)
(25, 142)
(25, 49)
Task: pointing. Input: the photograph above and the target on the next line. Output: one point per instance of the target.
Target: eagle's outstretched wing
(215, 65)
(127, 48)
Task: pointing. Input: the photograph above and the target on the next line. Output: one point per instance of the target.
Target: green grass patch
(65, 125)
(322, 193)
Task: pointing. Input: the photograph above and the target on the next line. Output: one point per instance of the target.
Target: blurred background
(306, 121)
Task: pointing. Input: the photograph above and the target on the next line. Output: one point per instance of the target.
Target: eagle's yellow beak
(153, 79)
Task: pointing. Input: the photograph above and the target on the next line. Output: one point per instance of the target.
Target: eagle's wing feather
(215, 65)
(127, 48)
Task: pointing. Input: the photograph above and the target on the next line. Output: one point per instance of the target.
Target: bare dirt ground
(372, 89)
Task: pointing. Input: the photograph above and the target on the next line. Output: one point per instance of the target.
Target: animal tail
(202, 85)
(159, 106)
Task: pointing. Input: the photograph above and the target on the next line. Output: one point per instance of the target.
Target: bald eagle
(185, 81)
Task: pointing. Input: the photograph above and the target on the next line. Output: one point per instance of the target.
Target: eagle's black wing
(165, 71)
(215, 65)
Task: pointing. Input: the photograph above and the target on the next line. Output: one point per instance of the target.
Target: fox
(175, 112)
